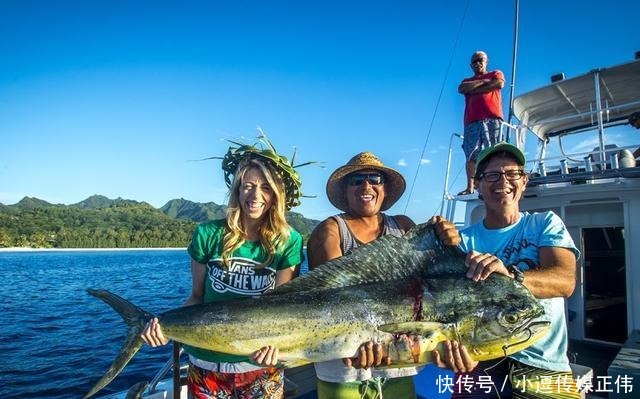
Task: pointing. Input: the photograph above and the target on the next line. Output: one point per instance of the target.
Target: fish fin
(356, 267)
(417, 254)
(136, 319)
(362, 265)
(423, 328)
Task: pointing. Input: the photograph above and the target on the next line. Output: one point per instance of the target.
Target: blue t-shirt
(519, 245)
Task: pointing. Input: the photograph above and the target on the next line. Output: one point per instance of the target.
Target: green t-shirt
(241, 278)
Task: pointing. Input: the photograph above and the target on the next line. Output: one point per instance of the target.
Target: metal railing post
(177, 387)
(445, 191)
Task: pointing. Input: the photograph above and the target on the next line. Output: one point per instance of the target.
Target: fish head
(502, 328)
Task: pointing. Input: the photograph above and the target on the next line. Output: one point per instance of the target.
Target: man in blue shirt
(536, 250)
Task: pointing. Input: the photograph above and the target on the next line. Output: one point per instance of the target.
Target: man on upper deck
(482, 112)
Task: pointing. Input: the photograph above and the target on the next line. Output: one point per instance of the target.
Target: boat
(596, 191)
(597, 194)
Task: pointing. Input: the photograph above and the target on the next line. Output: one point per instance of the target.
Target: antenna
(513, 65)
(435, 111)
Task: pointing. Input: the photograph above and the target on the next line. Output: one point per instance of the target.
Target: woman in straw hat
(255, 235)
(362, 189)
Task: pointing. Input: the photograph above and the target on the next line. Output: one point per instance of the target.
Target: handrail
(163, 371)
(570, 156)
(177, 387)
(628, 173)
(445, 193)
(449, 199)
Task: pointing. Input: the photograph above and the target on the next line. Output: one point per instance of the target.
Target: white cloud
(425, 161)
(402, 162)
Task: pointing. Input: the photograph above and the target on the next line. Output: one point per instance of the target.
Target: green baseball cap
(501, 147)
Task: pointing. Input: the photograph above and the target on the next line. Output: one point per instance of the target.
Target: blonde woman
(250, 252)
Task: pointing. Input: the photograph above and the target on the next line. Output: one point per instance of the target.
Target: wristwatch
(518, 275)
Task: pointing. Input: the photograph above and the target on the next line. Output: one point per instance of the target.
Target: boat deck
(594, 355)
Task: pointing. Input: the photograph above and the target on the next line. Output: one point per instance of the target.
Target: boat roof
(569, 105)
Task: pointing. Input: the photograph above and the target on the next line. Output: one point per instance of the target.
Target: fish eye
(511, 318)
(508, 319)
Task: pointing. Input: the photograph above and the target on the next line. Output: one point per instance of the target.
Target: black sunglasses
(480, 60)
(358, 179)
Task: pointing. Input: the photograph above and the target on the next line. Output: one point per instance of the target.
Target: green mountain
(100, 201)
(100, 222)
(302, 224)
(198, 212)
(31, 203)
(94, 202)
(195, 211)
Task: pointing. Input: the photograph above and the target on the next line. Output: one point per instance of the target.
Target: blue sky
(115, 97)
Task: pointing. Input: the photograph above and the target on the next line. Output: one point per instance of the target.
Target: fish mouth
(533, 329)
(536, 325)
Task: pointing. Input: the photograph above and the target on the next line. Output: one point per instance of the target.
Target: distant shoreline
(26, 249)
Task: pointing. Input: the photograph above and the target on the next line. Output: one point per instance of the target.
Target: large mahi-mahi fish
(384, 291)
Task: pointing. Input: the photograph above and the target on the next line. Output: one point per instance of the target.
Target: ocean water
(56, 340)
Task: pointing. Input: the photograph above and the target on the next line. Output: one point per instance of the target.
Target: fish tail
(136, 319)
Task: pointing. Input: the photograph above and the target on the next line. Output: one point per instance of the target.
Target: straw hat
(394, 183)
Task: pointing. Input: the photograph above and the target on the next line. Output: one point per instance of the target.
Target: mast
(513, 65)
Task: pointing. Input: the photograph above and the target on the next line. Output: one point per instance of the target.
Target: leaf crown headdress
(284, 168)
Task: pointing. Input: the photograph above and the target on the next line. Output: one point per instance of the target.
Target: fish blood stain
(416, 291)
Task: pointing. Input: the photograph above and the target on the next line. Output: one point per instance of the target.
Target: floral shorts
(480, 134)
(259, 384)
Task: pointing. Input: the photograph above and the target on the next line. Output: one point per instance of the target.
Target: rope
(435, 111)
(377, 382)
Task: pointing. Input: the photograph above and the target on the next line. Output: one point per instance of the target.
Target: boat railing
(584, 177)
(449, 200)
(579, 167)
(579, 159)
(172, 364)
(583, 167)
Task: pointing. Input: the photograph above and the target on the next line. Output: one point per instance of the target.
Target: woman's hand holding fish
(266, 356)
(445, 230)
(480, 266)
(152, 334)
(456, 358)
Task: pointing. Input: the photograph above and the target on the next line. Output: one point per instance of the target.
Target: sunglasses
(493, 177)
(477, 60)
(358, 179)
